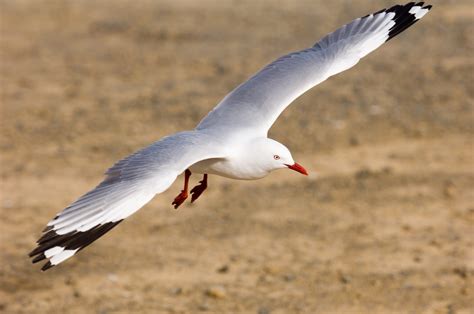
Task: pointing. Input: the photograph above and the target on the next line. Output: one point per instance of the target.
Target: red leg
(184, 192)
(198, 189)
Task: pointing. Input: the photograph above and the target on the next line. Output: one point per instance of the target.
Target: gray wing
(129, 184)
(258, 102)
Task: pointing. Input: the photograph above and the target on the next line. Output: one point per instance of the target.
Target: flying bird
(231, 141)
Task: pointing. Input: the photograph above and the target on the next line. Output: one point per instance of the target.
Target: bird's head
(273, 155)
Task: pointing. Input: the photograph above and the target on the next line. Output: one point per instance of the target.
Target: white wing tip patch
(62, 256)
(419, 11)
(53, 251)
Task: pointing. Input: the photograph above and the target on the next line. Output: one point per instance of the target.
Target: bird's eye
(276, 157)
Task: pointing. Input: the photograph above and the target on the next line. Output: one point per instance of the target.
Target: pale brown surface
(384, 223)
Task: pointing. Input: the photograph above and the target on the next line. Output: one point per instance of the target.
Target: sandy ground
(383, 224)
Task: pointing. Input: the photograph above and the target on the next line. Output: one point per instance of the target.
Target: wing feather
(257, 103)
(129, 184)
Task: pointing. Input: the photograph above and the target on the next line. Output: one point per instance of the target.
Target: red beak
(299, 168)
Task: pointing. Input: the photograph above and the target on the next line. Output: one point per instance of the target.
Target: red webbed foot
(178, 200)
(198, 189)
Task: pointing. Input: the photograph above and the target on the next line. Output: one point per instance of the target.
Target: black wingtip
(403, 18)
(74, 240)
(47, 266)
(38, 258)
(34, 252)
(48, 228)
(47, 236)
(47, 241)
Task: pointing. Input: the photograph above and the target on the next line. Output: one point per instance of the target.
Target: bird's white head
(271, 155)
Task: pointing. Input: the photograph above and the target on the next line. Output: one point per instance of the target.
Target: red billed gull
(231, 141)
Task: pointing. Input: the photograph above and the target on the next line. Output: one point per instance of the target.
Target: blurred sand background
(383, 224)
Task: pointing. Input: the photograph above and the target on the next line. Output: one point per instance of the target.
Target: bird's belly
(228, 169)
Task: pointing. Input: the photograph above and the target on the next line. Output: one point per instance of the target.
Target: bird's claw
(178, 200)
(197, 190)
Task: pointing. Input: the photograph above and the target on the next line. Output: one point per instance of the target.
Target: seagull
(231, 141)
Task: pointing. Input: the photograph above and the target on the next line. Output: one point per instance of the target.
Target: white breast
(234, 169)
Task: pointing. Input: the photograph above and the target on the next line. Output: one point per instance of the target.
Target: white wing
(129, 184)
(257, 103)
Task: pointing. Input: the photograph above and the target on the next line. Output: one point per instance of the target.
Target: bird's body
(233, 167)
(239, 164)
(231, 141)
